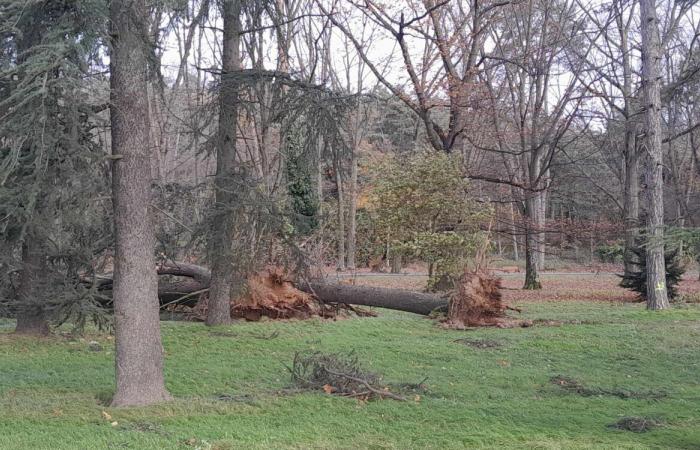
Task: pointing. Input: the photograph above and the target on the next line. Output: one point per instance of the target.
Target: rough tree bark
(31, 318)
(657, 297)
(139, 352)
(219, 311)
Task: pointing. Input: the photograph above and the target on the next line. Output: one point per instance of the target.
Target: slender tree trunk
(139, 352)
(31, 317)
(540, 220)
(341, 218)
(352, 211)
(657, 297)
(532, 280)
(397, 263)
(219, 305)
(514, 232)
(631, 199)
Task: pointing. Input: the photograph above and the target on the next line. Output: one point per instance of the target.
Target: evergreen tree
(301, 187)
(50, 158)
(636, 279)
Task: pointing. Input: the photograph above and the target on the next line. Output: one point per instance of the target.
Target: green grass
(53, 391)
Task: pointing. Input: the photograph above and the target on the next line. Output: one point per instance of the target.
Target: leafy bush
(423, 208)
(610, 253)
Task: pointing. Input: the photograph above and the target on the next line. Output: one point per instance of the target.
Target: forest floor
(584, 366)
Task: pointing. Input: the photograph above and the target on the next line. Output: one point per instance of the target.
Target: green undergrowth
(233, 389)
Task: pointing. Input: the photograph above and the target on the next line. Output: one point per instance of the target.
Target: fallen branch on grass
(338, 374)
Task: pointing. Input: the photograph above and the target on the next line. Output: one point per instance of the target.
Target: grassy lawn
(53, 392)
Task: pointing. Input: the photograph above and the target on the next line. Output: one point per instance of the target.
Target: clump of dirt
(476, 301)
(337, 374)
(637, 424)
(271, 293)
(574, 386)
(479, 343)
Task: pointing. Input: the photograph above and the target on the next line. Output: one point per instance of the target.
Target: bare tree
(657, 297)
(533, 109)
(439, 45)
(139, 353)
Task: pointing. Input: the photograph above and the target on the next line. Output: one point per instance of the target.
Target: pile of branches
(337, 374)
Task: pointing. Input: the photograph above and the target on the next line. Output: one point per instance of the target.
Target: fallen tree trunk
(409, 301)
(186, 292)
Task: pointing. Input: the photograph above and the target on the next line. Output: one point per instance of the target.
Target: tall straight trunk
(514, 233)
(540, 215)
(139, 352)
(631, 199)
(341, 218)
(219, 305)
(352, 211)
(31, 316)
(532, 280)
(657, 296)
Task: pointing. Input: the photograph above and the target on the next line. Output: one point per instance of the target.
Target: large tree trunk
(219, 310)
(139, 352)
(31, 318)
(409, 301)
(657, 297)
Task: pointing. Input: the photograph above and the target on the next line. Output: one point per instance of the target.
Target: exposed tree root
(476, 301)
(271, 293)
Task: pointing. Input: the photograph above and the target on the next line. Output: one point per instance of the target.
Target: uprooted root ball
(476, 301)
(271, 293)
